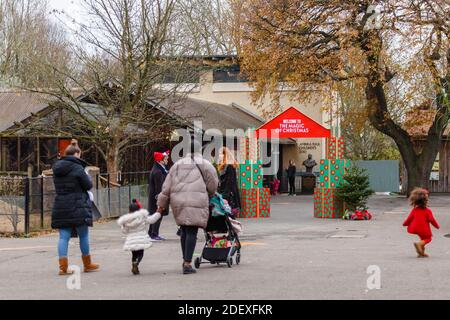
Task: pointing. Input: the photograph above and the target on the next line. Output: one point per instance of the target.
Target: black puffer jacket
(72, 205)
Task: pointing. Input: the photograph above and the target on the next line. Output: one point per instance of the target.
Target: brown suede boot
(63, 267)
(420, 248)
(417, 246)
(424, 255)
(135, 268)
(88, 265)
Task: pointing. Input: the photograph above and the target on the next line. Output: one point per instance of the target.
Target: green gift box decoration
(332, 172)
(250, 175)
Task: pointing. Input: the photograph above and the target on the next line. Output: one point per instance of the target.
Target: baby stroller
(219, 250)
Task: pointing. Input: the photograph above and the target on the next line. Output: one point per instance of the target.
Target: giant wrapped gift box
(250, 175)
(335, 148)
(327, 205)
(249, 149)
(255, 203)
(332, 172)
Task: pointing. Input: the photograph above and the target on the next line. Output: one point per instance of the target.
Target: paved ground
(289, 256)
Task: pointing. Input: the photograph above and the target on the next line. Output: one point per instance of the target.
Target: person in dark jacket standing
(291, 171)
(155, 182)
(228, 185)
(72, 207)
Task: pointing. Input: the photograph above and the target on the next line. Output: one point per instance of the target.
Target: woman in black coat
(72, 209)
(155, 182)
(228, 184)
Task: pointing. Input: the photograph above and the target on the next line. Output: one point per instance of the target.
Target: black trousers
(154, 228)
(188, 242)
(291, 185)
(137, 256)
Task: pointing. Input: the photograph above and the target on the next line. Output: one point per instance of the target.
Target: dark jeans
(154, 228)
(137, 256)
(291, 185)
(188, 242)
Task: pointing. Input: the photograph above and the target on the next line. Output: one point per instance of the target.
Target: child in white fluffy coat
(135, 226)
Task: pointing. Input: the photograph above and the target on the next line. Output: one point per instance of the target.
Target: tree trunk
(417, 176)
(112, 162)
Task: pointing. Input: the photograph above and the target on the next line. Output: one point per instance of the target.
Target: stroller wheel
(238, 258)
(197, 262)
(229, 262)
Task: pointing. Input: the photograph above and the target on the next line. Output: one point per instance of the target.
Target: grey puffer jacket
(187, 193)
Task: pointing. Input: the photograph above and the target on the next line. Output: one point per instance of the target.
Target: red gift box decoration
(326, 204)
(335, 147)
(255, 203)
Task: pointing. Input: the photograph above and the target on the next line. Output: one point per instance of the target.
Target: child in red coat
(418, 221)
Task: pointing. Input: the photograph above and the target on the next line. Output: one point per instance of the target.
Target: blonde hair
(72, 149)
(228, 158)
(419, 198)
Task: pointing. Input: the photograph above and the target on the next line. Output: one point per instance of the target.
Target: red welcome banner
(292, 124)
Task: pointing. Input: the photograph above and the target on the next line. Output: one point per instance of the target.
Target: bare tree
(27, 35)
(112, 91)
(11, 189)
(208, 24)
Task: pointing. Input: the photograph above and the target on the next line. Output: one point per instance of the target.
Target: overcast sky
(71, 7)
(68, 5)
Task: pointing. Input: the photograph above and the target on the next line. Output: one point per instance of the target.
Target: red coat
(418, 222)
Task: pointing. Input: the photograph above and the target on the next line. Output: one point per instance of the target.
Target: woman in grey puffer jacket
(188, 187)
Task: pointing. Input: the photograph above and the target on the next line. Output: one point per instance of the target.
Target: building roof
(213, 115)
(16, 106)
(418, 122)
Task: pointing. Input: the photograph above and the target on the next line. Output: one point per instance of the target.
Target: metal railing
(27, 207)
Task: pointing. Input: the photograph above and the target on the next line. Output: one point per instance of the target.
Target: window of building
(27, 154)
(11, 156)
(48, 152)
(186, 74)
(226, 74)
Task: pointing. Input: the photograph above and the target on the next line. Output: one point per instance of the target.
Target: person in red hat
(155, 182)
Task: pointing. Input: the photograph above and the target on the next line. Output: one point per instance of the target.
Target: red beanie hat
(158, 156)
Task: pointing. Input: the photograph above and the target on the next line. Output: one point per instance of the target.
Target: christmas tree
(355, 189)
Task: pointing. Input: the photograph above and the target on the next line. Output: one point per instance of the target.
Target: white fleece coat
(135, 226)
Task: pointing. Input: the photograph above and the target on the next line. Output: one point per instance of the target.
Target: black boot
(188, 270)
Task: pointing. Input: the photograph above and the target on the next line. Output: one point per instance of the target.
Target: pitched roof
(213, 115)
(293, 124)
(418, 122)
(16, 106)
